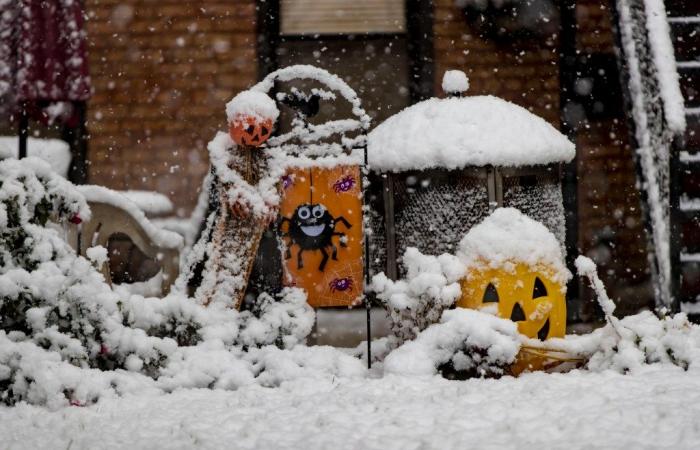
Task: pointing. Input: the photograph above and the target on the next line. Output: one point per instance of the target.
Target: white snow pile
(508, 237)
(469, 342)
(54, 151)
(431, 285)
(452, 133)
(250, 103)
(67, 337)
(455, 82)
(150, 202)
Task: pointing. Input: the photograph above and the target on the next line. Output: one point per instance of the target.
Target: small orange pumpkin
(252, 131)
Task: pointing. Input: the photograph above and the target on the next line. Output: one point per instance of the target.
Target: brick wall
(162, 72)
(523, 72)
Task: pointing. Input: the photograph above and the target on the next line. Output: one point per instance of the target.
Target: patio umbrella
(43, 60)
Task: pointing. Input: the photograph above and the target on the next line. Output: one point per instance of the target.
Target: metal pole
(23, 130)
(368, 302)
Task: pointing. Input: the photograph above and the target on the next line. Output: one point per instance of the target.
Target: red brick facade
(162, 72)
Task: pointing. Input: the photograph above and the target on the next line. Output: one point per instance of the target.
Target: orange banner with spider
(321, 227)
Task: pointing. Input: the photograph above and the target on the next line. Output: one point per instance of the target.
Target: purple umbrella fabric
(43, 55)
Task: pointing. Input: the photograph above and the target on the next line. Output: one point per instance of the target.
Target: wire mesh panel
(539, 197)
(433, 210)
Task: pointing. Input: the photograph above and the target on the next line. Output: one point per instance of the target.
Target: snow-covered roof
(453, 133)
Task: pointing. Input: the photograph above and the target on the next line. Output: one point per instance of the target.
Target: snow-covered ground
(658, 407)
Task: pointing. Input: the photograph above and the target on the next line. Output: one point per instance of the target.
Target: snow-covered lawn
(658, 407)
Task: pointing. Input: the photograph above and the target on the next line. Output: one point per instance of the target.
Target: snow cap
(252, 103)
(456, 132)
(455, 82)
(508, 237)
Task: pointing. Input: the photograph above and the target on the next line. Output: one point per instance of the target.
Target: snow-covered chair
(114, 213)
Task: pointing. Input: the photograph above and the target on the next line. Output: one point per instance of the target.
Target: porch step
(690, 257)
(689, 204)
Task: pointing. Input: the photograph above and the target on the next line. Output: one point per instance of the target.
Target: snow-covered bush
(431, 286)
(466, 343)
(629, 343)
(67, 337)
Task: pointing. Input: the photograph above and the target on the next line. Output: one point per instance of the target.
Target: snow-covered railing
(658, 117)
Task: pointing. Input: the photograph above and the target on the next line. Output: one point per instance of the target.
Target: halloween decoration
(321, 227)
(442, 165)
(243, 195)
(250, 130)
(515, 270)
(251, 118)
(530, 298)
(312, 228)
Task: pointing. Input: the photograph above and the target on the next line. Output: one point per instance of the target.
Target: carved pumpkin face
(528, 297)
(251, 131)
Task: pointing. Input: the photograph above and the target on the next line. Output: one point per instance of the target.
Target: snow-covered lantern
(442, 165)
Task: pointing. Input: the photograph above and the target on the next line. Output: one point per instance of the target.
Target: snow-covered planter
(444, 164)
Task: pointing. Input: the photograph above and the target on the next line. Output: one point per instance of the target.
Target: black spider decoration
(312, 227)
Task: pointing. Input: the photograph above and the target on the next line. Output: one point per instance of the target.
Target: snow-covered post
(656, 103)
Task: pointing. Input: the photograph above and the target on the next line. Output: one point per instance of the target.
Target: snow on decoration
(508, 237)
(251, 117)
(455, 82)
(247, 183)
(658, 114)
(453, 133)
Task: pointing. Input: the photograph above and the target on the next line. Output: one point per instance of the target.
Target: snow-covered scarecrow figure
(294, 197)
(243, 191)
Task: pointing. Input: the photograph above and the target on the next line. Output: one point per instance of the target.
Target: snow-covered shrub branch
(67, 337)
(431, 286)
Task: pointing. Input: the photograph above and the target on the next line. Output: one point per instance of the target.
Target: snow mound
(150, 202)
(454, 82)
(469, 340)
(508, 237)
(453, 133)
(54, 151)
(252, 103)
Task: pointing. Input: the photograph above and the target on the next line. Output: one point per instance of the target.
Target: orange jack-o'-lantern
(527, 296)
(252, 131)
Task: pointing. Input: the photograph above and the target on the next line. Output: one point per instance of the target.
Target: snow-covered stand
(442, 165)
